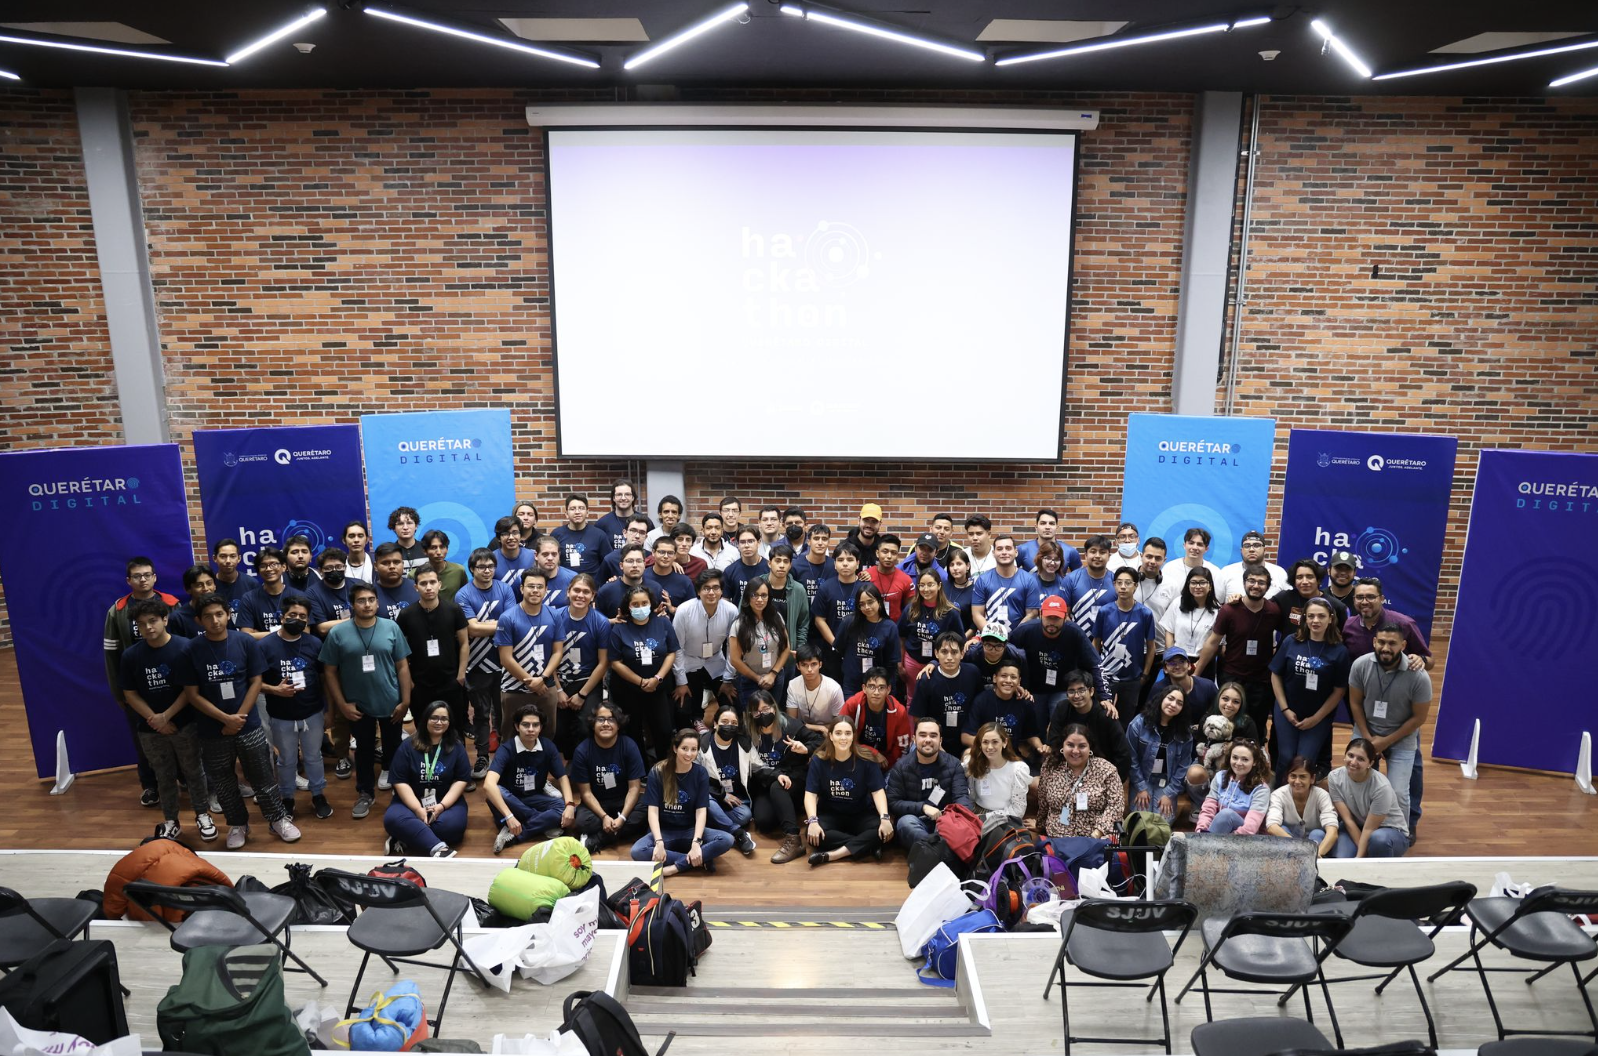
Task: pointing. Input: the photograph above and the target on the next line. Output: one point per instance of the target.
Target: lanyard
(366, 639)
(430, 766)
(1383, 687)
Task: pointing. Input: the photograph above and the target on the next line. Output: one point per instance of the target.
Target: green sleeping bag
(519, 894)
(563, 858)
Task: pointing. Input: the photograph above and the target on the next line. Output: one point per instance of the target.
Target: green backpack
(1145, 828)
(230, 1001)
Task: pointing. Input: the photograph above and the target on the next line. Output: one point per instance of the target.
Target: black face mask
(334, 579)
(726, 733)
(767, 719)
(294, 626)
(795, 535)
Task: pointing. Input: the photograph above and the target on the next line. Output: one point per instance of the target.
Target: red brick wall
(322, 254)
(56, 384)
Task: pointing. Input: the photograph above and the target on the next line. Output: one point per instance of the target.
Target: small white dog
(1217, 734)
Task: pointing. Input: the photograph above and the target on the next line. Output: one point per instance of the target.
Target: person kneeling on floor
(841, 787)
(922, 783)
(518, 781)
(429, 772)
(678, 798)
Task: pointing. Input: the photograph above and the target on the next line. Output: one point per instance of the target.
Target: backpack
(1145, 828)
(700, 930)
(998, 846)
(961, 830)
(70, 986)
(603, 1025)
(397, 871)
(626, 901)
(229, 1001)
(660, 942)
(942, 951)
(926, 855)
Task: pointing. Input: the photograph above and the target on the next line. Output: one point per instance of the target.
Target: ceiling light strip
(483, 38)
(1120, 42)
(1540, 52)
(276, 35)
(726, 14)
(881, 31)
(1574, 77)
(8, 75)
(129, 53)
(1343, 50)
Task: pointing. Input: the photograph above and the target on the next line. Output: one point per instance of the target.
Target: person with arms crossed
(368, 678)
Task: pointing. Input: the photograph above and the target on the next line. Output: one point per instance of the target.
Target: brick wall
(322, 254)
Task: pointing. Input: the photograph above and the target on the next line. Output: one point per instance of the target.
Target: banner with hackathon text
(1521, 649)
(1188, 471)
(1383, 497)
(74, 518)
(453, 467)
(264, 486)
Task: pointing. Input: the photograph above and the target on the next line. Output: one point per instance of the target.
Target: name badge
(573, 558)
(1081, 801)
(707, 650)
(297, 679)
(646, 656)
(726, 785)
(368, 663)
(429, 798)
(1378, 709)
(607, 780)
(765, 659)
(1065, 814)
(951, 717)
(227, 691)
(1159, 765)
(926, 648)
(1312, 680)
(984, 787)
(432, 647)
(1251, 647)
(866, 663)
(528, 781)
(538, 655)
(1049, 676)
(935, 797)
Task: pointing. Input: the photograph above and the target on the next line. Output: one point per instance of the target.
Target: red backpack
(961, 830)
(398, 871)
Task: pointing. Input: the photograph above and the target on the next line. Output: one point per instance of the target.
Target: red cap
(1053, 605)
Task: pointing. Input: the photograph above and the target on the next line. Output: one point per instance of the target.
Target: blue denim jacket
(1145, 745)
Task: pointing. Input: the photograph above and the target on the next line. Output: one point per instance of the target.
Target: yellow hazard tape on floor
(861, 925)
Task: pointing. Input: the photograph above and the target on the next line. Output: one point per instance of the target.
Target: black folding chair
(398, 922)
(1387, 932)
(1117, 940)
(1535, 928)
(1270, 948)
(1276, 1036)
(222, 916)
(1539, 1047)
(28, 925)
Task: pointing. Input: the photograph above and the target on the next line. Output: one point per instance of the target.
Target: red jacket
(899, 728)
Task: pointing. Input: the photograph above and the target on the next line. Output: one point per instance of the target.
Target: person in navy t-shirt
(834, 601)
(607, 773)
(846, 801)
(329, 592)
(395, 592)
(1003, 703)
(150, 687)
(947, 689)
(1125, 636)
(633, 534)
(673, 588)
(557, 579)
(582, 546)
(611, 595)
(622, 511)
(736, 576)
(511, 558)
(1048, 523)
(1050, 576)
(866, 640)
(677, 796)
(643, 648)
(585, 657)
(526, 786)
(813, 565)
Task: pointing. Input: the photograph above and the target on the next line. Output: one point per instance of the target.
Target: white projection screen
(837, 294)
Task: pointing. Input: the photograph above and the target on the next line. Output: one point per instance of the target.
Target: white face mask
(1128, 550)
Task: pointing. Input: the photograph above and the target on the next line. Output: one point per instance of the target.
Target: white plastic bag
(558, 1043)
(1504, 886)
(497, 952)
(318, 1021)
(560, 947)
(17, 1040)
(935, 901)
(1095, 883)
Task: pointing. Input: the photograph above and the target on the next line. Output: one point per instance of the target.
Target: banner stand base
(63, 767)
(1584, 766)
(1468, 768)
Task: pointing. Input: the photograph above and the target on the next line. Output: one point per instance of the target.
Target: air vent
(584, 30)
(1499, 41)
(1045, 30)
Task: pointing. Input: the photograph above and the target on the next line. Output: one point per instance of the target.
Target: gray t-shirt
(1389, 696)
(1363, 798)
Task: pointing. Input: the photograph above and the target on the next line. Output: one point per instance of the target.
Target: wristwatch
(884, 817)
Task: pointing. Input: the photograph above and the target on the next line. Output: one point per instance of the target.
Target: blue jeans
(911, 829)
(727, 819)
(1405, 772)
(1291, 741)
(536, 811)
(1384, 843)
(296, 741)
(1315, 836)
(416, 836)
(1226, 820)
(678, 843)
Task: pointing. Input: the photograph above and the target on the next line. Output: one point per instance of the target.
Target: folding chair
(400, 921)
(1535, 928)
(221, 916)
(1270, 948)
(1387, 934)
(1539, 1047)
(1275, 1036)
(29, 925)
(1117, 940)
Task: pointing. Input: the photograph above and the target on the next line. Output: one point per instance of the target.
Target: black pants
(569, 731)
(858, 832)
(590, 824)
(135, 726)
(777, 808)
(482, 692)
(1258, 703)
(646, 711)
(367, 729)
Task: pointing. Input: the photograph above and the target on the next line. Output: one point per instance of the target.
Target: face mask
(726, 732)
(640, 612)
(294, 626)
(795, 534)
(1127, 550)
(767, 719)
(333, 579)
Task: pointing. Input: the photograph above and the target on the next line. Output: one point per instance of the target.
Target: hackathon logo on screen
(797, 281)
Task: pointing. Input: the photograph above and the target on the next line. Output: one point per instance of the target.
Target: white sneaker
(285, 830)
(503, 840)
(168, 830)
(447, 852)
(390, 847)
(236, 836)
(246, 790)
(215, 804)
(206, 827)
(302, 783)
(383, 783)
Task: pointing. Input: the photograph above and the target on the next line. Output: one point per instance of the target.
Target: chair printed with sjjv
(223, 916)
(1121, 942)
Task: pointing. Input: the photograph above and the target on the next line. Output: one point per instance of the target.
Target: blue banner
(1383, 497)
(264, 486)
(77, 516)
(1187, 471)
(454, 467)
(1519, 656)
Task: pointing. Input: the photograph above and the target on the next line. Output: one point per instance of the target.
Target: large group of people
(680, 689)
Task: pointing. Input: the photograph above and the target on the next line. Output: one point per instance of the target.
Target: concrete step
(832, 1011)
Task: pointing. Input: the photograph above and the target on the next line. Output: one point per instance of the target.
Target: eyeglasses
(141, 575)
(437, 718)
(604, 720)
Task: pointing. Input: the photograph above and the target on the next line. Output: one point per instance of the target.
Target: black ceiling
(358, 50)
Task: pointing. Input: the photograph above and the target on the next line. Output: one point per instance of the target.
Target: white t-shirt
(980, 565)
(720, 560)
(366, 572)
(1230, 581)
(815, 707)
(1187, 629)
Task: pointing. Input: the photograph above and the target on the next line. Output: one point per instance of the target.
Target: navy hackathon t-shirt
(1017, 716)
(296, 663)
(153, 675)
(222, 671)
(812, 576)
(525, 771)
(917, 635)
(947, 698)
(582, 551)
(843, 788)
(643, 649)
(607, 770)
(726, 760)
(834, 601)
(693, 792)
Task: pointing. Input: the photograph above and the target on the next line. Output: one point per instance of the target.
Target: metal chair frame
(202, 898)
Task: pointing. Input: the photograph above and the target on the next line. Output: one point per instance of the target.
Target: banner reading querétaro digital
(112, 503)
(1186, 471)
(454, 467)
(261, 487)
(1522, 649)
(1383, 497)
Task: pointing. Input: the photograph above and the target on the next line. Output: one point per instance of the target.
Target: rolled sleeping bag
(563, 858)
(518, 894)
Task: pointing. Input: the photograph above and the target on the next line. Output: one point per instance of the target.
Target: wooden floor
(1505, 813)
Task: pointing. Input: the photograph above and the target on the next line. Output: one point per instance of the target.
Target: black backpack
(603, 1026)
(925, 856)
(70, 986)
(1000, 845)
(660, 943)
